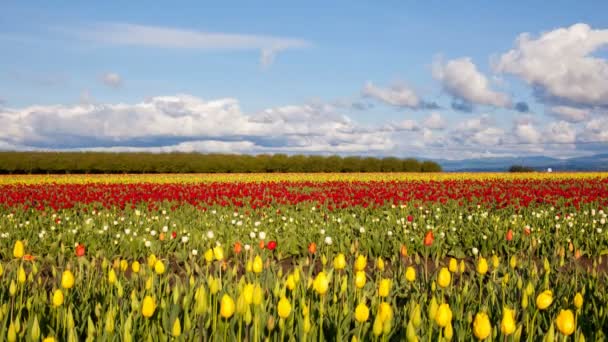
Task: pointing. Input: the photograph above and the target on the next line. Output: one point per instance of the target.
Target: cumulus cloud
(434, 121)
(187, 122)
(112, 79)
(526, 132)
(570, 114)
(596, 130)
(174, 38)
(461, 79)
(561, 65)
(560, 132)
(397, 95)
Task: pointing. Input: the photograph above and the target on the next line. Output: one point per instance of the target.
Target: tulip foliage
(447, 258)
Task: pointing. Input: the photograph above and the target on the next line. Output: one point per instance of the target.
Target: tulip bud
(410, 332)
(35, 331)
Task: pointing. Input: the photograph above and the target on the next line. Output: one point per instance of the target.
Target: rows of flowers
(416, 260)
(336, 194)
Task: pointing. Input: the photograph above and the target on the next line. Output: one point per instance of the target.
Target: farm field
(422, 257)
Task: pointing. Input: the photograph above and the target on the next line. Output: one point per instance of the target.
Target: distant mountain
(598, 162)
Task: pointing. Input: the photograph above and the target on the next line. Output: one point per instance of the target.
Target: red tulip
(80, 250)
(271, 245)
(428, 238)
(509, 235)
(173, 235)
(410, 218)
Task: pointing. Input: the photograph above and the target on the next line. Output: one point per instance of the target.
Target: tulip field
(304, 257)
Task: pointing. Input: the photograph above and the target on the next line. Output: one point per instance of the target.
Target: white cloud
(461, 79)
(596, 130)
(112, 79)
(561, 64)
(434, 121)
(186, 122)
(397, 95)
(560, 132)
(174, 38)
(570, 114)
(525, 131)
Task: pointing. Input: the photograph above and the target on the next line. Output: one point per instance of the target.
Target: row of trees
(101, 162)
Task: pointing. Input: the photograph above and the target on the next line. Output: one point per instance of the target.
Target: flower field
(417, 257)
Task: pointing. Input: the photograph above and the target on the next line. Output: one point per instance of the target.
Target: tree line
(123, 162)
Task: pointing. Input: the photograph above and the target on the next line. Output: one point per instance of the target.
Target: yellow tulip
(290, 283)
(385, 312)
(453, 265)
(57, 298)
(21, 275)
(226, 306)
(482, 328)
(148, 306)
(176, 330)
(321, 283)
(284, 307)
(360, 279)
(507, 325)
(462, 266)
(448, 331)
(135, 266)
(544, 299)
(340, 262)
(12, 288)
(123, 265)
(112, 276)
(433, 307)
(578, 301)
(258, 264)
(258, 294)
(49, 339)
(159, 267)
(513, 261)
(209, 255)
(360, 263)
(67, 279)
(495, 261)
(361, 313)
(384, 287)
(248, 293)
(18, 249)
(482, 266)
(151, 260)
(565, 322)
(380, 264)
(444, 278)
(218, 253)
(410, 274)
(444, 315)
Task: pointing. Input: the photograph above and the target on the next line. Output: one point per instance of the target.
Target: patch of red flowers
(80, 250)
(271, 245)
(335, 194)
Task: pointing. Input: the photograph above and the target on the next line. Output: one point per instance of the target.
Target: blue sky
(429, 79)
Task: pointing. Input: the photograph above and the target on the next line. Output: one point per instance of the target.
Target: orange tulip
(312, 248)
(428, 238)
(262, 244)
(403, 250)
(238, 247)
(509, 235)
